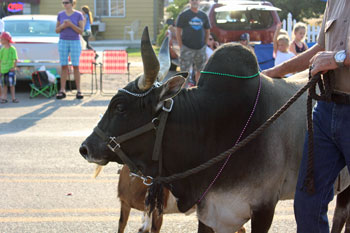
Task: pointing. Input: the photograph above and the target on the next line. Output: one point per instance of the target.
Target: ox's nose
(84, 150)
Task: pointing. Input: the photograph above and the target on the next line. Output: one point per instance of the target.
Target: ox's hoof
(142, 231)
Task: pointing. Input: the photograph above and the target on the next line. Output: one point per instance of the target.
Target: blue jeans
(331, 154)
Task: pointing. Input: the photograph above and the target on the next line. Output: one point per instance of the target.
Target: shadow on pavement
(28, 120)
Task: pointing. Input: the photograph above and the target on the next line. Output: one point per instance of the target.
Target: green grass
(132, 52)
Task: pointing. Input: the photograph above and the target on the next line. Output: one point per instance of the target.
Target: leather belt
(340, 98)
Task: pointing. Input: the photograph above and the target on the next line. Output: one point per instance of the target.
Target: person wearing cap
(2, 25)
(8, 60)
(244, 40)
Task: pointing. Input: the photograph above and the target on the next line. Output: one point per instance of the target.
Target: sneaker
(79, 95)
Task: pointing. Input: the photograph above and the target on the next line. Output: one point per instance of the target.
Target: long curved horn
(150, 62)
(164, 59)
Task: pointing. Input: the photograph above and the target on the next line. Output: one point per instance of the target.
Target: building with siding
(111, 15)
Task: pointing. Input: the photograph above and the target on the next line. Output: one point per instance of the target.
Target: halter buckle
(113, 144)
(168, 109)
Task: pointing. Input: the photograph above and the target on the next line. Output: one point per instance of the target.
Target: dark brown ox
(202, 123)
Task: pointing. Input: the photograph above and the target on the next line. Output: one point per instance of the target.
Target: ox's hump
(229, 62)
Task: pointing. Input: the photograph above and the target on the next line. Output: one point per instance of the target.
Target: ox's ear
(171, 87)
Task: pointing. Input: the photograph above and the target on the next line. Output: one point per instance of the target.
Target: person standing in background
(70, 24)
(244, 40)
(281, 51)
(330, 119)
(211, 46)
(8, 62)
(192, 33)
(88, 19)
(298, 44)
(2, 26)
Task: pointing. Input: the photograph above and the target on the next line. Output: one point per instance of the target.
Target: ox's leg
(262, 218)
(124, 215)
(341, 212)
(347, 226)
(146, 223)
(202, 228)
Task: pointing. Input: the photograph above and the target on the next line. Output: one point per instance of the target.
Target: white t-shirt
(209, 52)
(282, 57)
(2, 26)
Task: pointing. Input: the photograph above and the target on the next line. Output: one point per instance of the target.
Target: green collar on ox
(230, 75)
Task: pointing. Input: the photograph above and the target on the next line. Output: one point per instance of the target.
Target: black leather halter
(157, 124)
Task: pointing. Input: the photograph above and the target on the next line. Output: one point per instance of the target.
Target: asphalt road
(46, 186)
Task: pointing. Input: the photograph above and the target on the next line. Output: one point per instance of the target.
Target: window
(30, 28)
(243, 20)
(203, 6)
(110, 8)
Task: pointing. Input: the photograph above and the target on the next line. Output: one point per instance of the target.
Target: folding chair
(41, 86)
(114, 62)
(87, 65)
(132, 29)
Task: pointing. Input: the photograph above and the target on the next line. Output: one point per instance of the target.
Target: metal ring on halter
(144, 179)
(155, 122)
(147, 178)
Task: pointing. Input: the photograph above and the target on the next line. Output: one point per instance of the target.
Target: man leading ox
(331, 120)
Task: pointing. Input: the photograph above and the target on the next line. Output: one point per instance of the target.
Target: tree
(300, 9)
(175, 8)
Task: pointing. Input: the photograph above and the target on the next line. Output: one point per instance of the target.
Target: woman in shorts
(70, 25)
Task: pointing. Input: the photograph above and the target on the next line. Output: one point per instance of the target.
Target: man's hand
(322, 62)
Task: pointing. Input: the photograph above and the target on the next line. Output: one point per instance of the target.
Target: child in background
(298, 45)
(211, 46)
(281, 52)
(8, 60)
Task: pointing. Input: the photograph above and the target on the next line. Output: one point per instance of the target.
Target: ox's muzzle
(87, 154)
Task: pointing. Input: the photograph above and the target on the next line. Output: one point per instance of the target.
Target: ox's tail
(155, 198)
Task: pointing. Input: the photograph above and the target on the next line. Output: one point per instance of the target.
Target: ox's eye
(120, 107)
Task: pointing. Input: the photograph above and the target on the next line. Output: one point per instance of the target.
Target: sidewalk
(115, 44)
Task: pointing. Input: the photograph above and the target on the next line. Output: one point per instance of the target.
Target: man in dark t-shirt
(192, 33)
